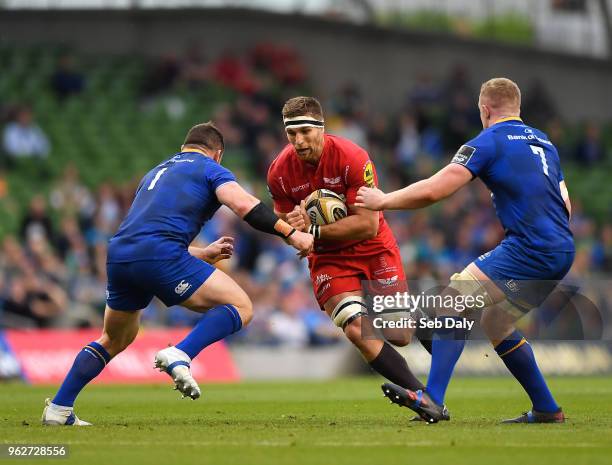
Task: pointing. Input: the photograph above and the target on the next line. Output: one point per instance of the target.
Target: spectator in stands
(266, 146)
(253, 118)
(382, 135)
(35, 300)
(602, 253)
(37, 222)
(23, 138)
(231, 70)
(348, 101)
(162, 75)
(458, 81)
(557, 134)
(195, 70)
(70, 197)
(282, 62)
(72, 247)
(109, 211)
(426, 95)
(409, 144)
(538, 107)
(46, 262)
(66, 80)
(286, 324)
(461, 120)
(590, 148)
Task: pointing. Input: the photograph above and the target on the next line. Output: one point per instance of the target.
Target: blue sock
(446, 347)
(88, 364)
(517, 355)
(216, 323)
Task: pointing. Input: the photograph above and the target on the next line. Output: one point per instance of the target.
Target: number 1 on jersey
(540, 151)
(156, 178)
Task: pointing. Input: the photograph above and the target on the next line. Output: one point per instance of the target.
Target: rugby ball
(325, 207)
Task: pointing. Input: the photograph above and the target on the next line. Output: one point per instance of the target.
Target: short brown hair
(302, 106)
(501, 93)
(205, 134)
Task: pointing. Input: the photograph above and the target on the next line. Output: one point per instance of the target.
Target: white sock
(60, 407)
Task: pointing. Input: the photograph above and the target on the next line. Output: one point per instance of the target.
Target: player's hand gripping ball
(325, 207)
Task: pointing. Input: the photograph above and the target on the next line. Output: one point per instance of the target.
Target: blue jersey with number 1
(172, 203)
(521, 168)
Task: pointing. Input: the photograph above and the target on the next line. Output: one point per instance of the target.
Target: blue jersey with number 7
(521, 168)
(172, 203)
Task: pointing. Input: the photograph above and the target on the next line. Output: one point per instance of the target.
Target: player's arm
(421, 194)
(261, 217)
(566, 198)
(360, 225)
(221, 249)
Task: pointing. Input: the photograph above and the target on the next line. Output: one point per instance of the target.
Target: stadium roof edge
(444, 39)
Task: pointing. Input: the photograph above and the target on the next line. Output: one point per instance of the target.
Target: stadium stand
(54, 276)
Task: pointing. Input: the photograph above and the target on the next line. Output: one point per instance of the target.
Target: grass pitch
(339, 422)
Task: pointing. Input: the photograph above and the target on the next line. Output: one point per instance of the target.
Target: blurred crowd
(52, 271)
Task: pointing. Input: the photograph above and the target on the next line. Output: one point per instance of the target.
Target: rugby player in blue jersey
(151, 256)
(521, 168)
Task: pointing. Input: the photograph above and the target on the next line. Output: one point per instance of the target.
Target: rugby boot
(56, 415)
(417, 401)
(533, 416)
(176, 363)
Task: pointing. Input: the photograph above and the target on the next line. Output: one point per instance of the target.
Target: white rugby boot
(176, 363)
(56, 415)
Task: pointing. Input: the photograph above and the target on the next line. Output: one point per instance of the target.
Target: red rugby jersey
(343, 168)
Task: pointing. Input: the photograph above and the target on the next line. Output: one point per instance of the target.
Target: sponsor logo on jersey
(301, 187)
(323, 289)
(177, 159)
(332, 181)
(512, 285)
(385, 270)
(368, 174)
(182, 287)
(320, 279)
(463, 155)
(386, 282)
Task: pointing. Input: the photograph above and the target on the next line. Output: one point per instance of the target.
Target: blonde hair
(501, 93)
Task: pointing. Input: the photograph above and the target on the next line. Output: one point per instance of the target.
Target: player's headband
(303, 121)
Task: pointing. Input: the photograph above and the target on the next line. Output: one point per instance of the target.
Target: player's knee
(474, 295)
(117, 343)
(245, 309)
(348, 310)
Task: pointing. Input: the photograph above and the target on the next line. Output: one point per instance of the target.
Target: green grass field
(340, 422)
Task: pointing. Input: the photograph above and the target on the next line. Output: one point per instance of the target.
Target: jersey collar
(508, 118)
(201, 152)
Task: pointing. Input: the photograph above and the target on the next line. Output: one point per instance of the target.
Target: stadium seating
(99, 129)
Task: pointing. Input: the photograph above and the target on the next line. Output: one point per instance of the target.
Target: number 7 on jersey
(540, 151)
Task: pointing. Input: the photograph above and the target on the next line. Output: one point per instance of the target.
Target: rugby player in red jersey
(359, 247)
